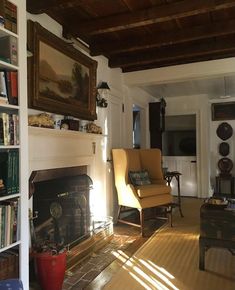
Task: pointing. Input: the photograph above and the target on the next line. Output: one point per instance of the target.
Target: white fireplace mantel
(51, 148)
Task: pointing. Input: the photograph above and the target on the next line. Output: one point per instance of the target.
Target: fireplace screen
(62, 209)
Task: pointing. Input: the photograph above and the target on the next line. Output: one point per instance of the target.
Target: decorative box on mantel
(50, 148)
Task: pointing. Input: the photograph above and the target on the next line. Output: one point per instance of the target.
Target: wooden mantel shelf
(63, 133)
(52, 148)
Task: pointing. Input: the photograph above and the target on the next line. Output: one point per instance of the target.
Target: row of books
(9, 87)
(8, 15)
(9, 172)
(9, 129)
(8, 223)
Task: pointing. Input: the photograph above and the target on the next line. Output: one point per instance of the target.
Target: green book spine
(9, 172)
(0, 224)
(3, 172)
(13, 184)
(17, 171)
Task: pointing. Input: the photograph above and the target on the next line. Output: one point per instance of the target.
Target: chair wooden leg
(141, 211)
(170, 216)
(119, 212)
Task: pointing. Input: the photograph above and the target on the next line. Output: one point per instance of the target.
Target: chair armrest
(127, 196)
(132, 190)
(158, 181)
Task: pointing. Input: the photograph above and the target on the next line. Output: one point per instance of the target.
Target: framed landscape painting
(62, 80)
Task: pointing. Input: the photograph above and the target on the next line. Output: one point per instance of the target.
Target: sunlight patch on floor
(149, 275)
(120, 255)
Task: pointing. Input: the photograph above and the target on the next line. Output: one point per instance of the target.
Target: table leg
(201, 255)
(179, 195)
(232, 186)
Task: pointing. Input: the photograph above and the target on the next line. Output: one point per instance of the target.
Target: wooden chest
(217, 222)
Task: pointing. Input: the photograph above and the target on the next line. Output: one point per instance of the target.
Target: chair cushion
(152, 189)
(139, 177)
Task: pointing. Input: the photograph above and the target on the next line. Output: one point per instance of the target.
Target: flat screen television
(179, 143)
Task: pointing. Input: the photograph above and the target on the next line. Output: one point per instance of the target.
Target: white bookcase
(22, 241)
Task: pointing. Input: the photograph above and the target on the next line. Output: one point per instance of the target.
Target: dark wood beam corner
(41, 6)
(37, 7)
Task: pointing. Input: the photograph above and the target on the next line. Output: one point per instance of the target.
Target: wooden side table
(168, 177)
(217, 230)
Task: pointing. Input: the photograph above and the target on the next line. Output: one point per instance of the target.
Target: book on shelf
(11, 78)
(9, 172)
(8, 49)
(8, 222)
(9, 129)
(8, 12)
(3, 88)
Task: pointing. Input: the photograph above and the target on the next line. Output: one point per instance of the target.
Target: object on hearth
(42, 120)
(93, 128)
(224, 131)
(224, 148)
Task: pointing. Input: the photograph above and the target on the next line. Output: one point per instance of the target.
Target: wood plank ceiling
(143, 34)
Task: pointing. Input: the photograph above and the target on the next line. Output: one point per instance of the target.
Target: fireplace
(58, 154)
(61, 205)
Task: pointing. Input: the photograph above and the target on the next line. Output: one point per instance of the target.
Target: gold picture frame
(61, 79)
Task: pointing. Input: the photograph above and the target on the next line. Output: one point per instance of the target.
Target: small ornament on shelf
(93, 128)
(42, 120)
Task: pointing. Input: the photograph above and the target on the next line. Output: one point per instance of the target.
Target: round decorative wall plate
(224, 131)
(224, 148)
(225, 165)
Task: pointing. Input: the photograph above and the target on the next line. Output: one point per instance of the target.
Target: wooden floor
(169, 260)
(121, 229)
(101, 280)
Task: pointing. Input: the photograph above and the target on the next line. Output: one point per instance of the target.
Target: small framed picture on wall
(223, 111)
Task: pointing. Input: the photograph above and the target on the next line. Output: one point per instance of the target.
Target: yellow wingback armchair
(157, 193)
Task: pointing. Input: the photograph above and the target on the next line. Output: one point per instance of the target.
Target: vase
(50, 270)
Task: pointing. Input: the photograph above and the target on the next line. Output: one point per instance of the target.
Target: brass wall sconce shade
(102, 91)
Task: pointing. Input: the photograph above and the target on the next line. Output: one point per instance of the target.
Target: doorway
(180, 151)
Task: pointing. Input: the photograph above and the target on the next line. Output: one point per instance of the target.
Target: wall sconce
(102, 91)
(29, 52)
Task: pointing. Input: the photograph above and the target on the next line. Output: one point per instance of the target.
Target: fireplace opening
(61, 205)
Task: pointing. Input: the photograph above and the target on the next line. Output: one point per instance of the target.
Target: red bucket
(50, 270)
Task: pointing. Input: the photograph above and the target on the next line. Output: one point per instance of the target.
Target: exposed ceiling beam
(156, 14)
(41, 6)
(172, 54)
(161, 39)
(177, 62)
